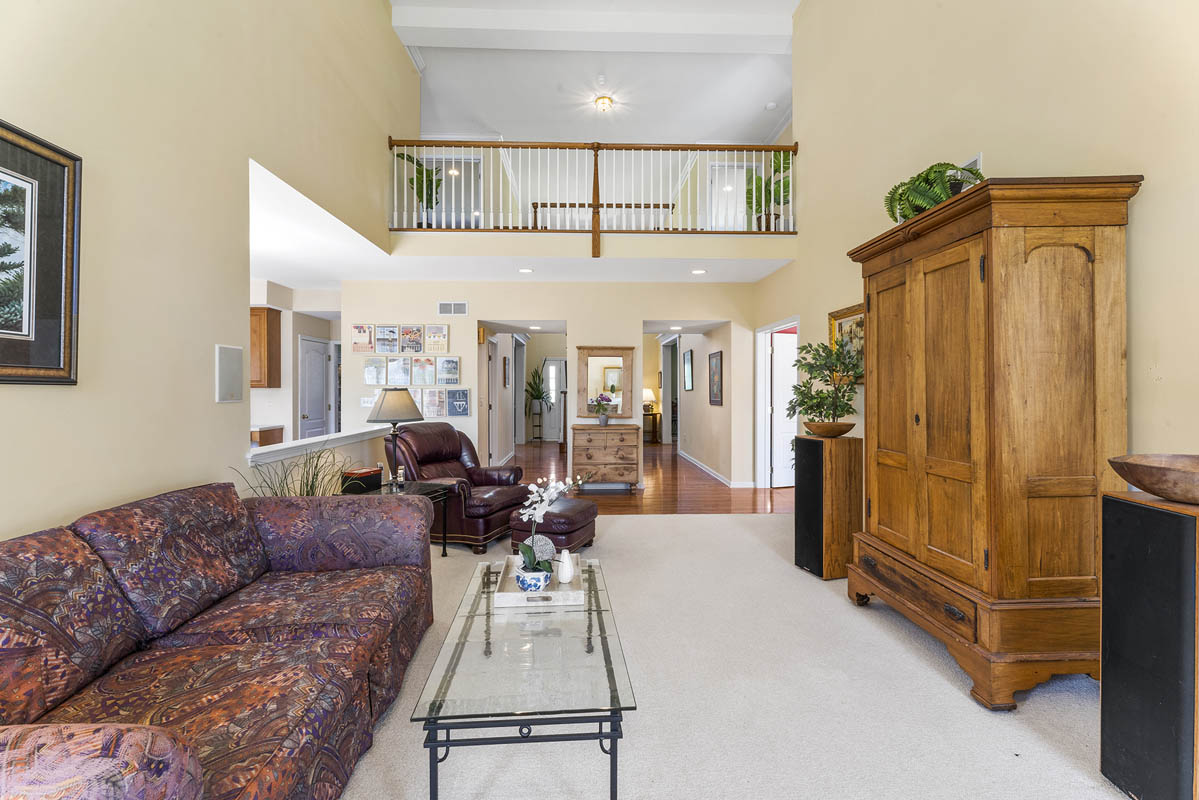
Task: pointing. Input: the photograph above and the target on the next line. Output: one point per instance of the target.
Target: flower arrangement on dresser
(602, 403)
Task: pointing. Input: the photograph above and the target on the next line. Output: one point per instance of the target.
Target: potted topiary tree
(826, 394)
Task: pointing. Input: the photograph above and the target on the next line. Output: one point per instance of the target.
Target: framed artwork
(507, 372)
(457, 402)
(412, 338)
(362, 338)
(612, 377)
(39, 260)
(399, 371)
(437, 338)
(424, 371)
(434, 405)
(716, 378)
(688, 384)
(374, 371)
(447, 370)
(659, 379)
(387, 338)
(849, 322)
(418, 397)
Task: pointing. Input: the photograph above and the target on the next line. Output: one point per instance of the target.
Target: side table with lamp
(651, 421)
(396, 406)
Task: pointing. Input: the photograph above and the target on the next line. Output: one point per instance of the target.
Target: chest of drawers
(606, 453)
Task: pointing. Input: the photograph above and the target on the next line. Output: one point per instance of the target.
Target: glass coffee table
(527, 668)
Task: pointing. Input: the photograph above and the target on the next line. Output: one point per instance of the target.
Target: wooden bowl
(829, 430)
(1169, 476)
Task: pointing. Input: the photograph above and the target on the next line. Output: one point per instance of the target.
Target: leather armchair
(483, 497)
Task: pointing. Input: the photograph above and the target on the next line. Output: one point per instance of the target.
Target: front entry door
(783, 346)
(553, 371)
(314, 387)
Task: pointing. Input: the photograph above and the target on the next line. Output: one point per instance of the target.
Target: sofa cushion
(63, 621)
(176, 554)
(262, 718)
(364, 604)
(486, 500)
(97, 762)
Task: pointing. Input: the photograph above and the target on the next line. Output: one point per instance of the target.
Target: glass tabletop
(498, 662)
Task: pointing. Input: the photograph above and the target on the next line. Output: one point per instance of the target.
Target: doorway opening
(520, 357)
(775, 350)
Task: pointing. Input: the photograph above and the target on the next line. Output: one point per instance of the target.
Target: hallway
(673, 485)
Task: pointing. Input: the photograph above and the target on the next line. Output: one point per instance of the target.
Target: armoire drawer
(932, 599)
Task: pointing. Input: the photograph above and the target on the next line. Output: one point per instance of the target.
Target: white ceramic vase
(565, 568)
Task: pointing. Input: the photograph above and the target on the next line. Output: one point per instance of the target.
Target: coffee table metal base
(524, 725)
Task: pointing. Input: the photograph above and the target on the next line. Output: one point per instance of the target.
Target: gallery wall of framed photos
(415, 357)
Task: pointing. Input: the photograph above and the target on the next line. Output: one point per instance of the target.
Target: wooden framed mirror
(608, 370)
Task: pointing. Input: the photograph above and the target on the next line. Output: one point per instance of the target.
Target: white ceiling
(526, 326)
(674, 98)
(660, 326)
(296, 243)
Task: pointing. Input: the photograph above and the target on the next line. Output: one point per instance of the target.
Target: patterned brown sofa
(189, 645)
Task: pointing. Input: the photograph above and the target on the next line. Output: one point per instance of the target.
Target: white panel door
(313, 387)
(553, 370)
(783, 376)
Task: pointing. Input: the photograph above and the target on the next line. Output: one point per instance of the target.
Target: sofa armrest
(97, 762)
(321, 534)
(495, 476)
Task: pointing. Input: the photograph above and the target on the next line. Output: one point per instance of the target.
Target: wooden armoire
(995, 393)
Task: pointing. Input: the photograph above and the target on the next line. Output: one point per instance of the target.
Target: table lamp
(394, 406)
(647, 399)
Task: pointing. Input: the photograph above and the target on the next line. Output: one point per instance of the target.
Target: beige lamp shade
(394, 406)
(647, 395)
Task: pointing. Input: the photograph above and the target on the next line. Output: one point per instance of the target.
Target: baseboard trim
(717, 475)
(506, 459)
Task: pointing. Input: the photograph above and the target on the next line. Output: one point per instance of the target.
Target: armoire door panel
(949, 414)
(891, 366)
(1046, 336)
(892, 508)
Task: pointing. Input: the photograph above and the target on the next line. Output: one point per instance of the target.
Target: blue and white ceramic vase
(532, 581)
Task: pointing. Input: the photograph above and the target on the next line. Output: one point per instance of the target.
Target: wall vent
(452, 308)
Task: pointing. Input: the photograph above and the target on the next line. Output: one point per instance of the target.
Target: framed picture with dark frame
(39, 260)
(688, 383)
(716, 378)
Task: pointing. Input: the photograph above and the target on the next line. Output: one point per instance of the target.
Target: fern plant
(927, 189)
(836, 370)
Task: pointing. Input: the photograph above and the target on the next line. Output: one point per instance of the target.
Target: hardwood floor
(672, 485)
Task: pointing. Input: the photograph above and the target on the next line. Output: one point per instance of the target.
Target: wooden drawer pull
(953, 612)
(870, 562)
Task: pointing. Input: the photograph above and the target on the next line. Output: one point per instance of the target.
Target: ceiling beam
(429, 26)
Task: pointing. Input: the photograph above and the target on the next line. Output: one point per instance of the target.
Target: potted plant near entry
(927, 189)
(537, 551)
(425, 183)
(826, 393)
(602, 403)
(764, 193)
(537, 396)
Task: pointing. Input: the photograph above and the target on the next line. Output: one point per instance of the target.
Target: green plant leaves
(927, 189)
(827, 392)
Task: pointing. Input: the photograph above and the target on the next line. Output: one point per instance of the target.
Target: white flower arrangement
(538, 551)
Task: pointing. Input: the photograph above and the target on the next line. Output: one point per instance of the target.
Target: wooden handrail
(746, 148)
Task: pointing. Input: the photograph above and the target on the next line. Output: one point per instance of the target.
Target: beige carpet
(755, 679)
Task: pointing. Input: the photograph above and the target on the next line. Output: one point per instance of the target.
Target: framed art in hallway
(437, 338)
(688, 384)
(457, 402)
(362, 338)
(716, 378)
(424, 372)
(387, 339)
(374, 371)
(850, 323)
(447, 370)
(39, 259)
(434, 405)
(399, 371)
(412, 338)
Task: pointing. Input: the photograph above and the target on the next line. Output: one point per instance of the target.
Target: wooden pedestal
(828, 503)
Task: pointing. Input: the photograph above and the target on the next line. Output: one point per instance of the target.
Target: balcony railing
(582, 187)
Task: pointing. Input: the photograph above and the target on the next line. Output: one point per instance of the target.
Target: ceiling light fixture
(728, 188)
(604, 103)
(534, 327)
(525, 270)
(676, 327)
(699, 272)
(771, 106)
(454, 172)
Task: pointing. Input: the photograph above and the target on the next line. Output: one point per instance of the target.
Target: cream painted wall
(166, 103)
(1073, 87)
(599, 314)
(705, 430)
(651, 362)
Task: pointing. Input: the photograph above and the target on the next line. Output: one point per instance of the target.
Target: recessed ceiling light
(699, 272)
(604, 103)
(525, 269)
(454, 172)
(771, 106)
(534, 327)
(676, 327)
(728, 188)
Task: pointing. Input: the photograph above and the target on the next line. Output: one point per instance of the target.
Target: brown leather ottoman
(569, 523)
